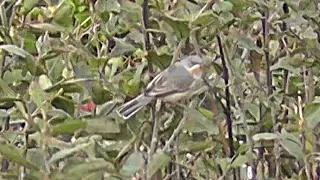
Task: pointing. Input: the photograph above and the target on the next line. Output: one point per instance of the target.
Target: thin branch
(154, 138)
(177, 51)
(145, 16)
(3, 64)
(265, 31)
(176, 132)
(227, 96)
(303, 137)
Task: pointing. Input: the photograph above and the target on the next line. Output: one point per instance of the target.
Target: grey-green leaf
(132, 164)
(159, 161)
(12, 154)
(15, 50)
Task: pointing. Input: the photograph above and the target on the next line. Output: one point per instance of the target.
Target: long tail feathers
(130, 108)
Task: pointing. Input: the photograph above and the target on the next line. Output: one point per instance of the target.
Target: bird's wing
(175, 79)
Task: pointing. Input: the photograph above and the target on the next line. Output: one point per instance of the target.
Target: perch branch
(227, 96)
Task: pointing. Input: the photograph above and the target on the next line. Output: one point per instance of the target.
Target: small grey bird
(171, 85)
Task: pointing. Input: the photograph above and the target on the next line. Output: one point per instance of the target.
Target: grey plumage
(170, 85)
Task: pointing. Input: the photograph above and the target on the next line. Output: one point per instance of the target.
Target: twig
(145, 16)
(177, 51)
(228, 107)
(285, 52)
(154, 138)
(3, 64)
(303, 137)
(308, 85)
(265, 32)
(227, 94)
(176, 149)
(45, 146)
(205, 7)
(175, 132)
(169, 176)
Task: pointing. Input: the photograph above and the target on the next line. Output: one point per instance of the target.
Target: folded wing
(174, 80)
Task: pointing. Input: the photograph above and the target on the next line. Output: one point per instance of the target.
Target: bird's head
(194, 64)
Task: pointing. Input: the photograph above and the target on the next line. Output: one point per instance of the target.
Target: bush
(67, 65)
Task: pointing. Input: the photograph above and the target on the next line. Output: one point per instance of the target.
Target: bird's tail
(130, 108)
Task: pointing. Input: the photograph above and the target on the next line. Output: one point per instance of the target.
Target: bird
(171, 85)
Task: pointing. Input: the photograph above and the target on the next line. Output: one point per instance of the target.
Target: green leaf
(7, 103)
(265, 136)
(15, 50)
(7, 90)
(63, 15)
(131, 11)
(116, 63)
(56, 67)
(286, 63)
(70, 86)
(66, 152)
(36, 156)
(13, 76)
(192, 146)
(68, 127)
(113, 6)
(253, 109)
(137, 37)
(222, 6)
(44, 82)
(58, 114)
(122, 47)
(79, 170)
(207, 113)
(239, 161)
(29, 41)
(204, 19)
(29, 5)
(137, 76)
(12, 154)
(100, 95)
(50, 27)
(101, 10)
(162, 61)
(292, 145)
(102, 125)
(197, 122)
(246, 42)
(37, 94)
(64, 103)
(159, 161)
(309, 34)
(274, 47)
(31, 66)
(106, 108)
(132, 164)
(83, 18)
(311, 114)
(180, 27)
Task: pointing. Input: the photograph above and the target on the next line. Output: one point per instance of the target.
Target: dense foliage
(66, 65)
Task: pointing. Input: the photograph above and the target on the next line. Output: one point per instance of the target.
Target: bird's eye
(193, 63)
